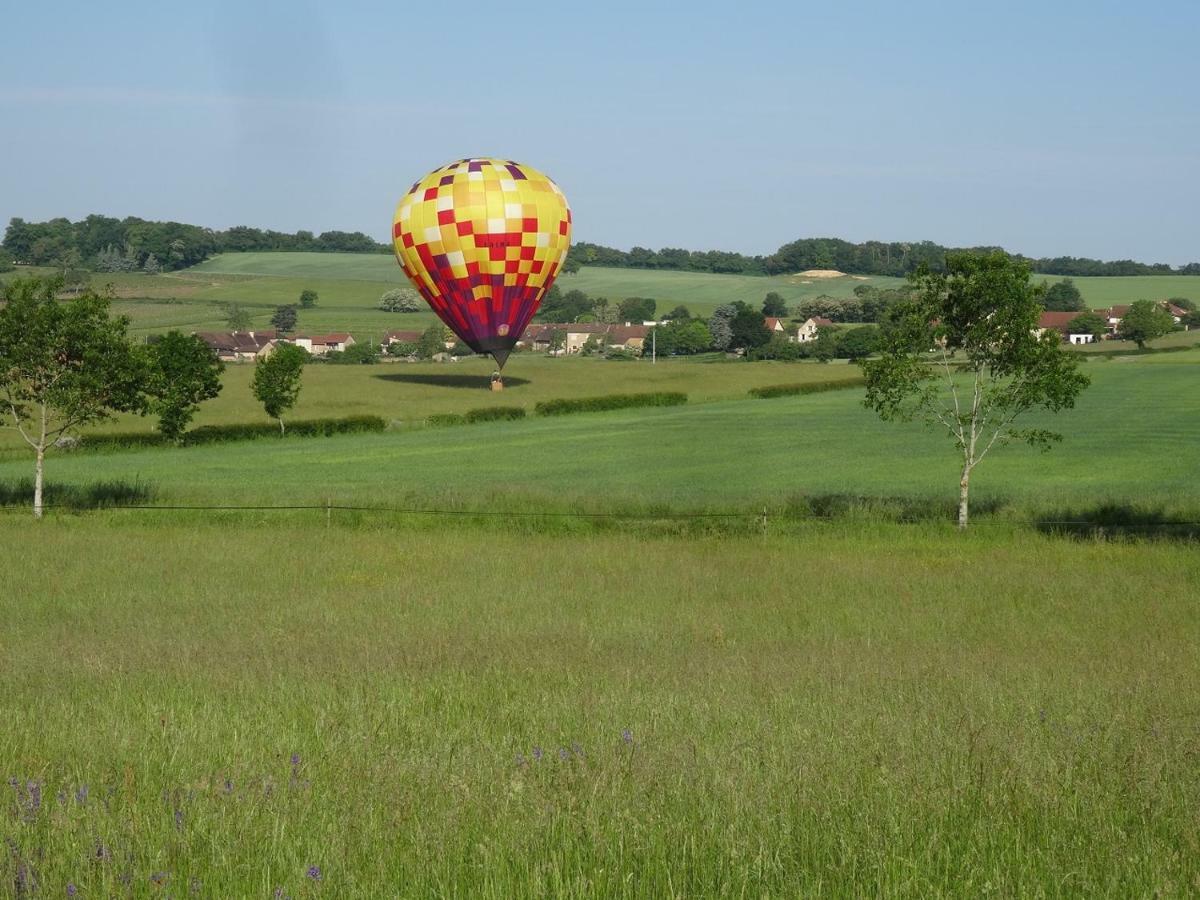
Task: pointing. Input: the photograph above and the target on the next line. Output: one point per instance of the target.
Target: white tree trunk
(964, 487)
(38, 471)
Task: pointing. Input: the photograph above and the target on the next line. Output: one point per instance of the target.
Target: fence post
(764, 521)
(328, 511)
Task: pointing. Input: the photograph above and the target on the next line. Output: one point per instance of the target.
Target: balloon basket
(497, 382)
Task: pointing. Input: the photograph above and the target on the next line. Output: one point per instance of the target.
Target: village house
(239, 346)
(573, 336)
(809, 331)
(330, 343)
(1112, 316)
(775, 325)
(400, 337)
(1061, 322)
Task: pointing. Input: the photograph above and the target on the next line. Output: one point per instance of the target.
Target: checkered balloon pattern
(482, 240)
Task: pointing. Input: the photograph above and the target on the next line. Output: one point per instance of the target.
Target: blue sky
(1049, 128)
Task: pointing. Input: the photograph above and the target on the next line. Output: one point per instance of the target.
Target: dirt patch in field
(821, 273)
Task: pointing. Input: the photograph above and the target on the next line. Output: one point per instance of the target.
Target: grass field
(854, 711)
(1132, 436)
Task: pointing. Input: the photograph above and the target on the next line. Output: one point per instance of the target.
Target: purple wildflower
(35, 796)
(537, 754)
(71, 889)
(313, 872)
(228, 787)
(564, 754)
(25, 882)
(81, 795)
(627, 736)
(179, 819)
(295, 760)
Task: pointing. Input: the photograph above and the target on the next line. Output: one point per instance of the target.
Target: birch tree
(964, 355)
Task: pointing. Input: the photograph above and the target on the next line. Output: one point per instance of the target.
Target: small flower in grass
(313, 872)
(228, 787)
(627, 736)
(179, 819)
(537, 754)
(295, 760)
(577, 749)
(564, 754)
(35, 796)
(103, 853)
(81, 794)
(71, 889)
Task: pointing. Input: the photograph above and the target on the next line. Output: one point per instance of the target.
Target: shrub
(363, 354)
(608, 401)
(813, 387)
(441, 420)
(494, 414)
(216, 434)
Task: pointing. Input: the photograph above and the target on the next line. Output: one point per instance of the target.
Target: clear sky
(1049, 127)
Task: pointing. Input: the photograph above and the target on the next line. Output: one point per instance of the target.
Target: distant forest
(868, 258)
(111, 244)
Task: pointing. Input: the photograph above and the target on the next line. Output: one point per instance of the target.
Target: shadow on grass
(1120, 521)
(77, 497)
(885, 508)
(478, 382)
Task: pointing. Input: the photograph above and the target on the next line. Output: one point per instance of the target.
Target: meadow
(854, 710)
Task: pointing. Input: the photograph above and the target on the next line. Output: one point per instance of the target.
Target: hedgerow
(811, 387)
(607, 402)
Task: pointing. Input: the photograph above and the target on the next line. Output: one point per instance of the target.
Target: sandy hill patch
(820, 273)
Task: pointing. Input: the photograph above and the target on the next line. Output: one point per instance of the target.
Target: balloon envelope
(482, 241)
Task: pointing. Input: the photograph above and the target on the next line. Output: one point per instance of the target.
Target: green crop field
(221, 710)
(1131, 436)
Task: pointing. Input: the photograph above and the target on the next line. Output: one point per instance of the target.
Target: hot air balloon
(482, 241)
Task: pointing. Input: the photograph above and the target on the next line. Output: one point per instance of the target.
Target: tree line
(105, 243)
(896, 259)
(108, 244)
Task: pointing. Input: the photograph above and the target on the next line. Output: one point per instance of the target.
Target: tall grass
(859, 711)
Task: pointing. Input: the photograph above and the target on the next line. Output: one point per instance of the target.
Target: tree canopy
(962, 355)
(63, 364)
(276, 383)
(1144, 321)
